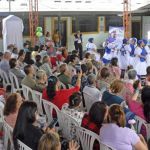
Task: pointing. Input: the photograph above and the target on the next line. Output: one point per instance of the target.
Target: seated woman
(103, 79)
(28, 58)
(26, 129)
(74, 107)
(20, 59)
(84, 81)
(51, 141)
(56, 95)
(129, 89)
(141, 109)
(116, 135)
(87, 58)
(17, 72)
(46, 66)
(112, 96)
(114, 68)
(11, 108)
(41, 80)
(94, 119)
(35, 51)
(65, 75)
(38, 62)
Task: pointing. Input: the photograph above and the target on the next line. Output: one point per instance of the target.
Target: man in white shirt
(91, 93)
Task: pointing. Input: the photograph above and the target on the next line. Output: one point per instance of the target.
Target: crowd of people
(114, 81)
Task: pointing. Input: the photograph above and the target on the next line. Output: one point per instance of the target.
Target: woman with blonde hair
(51, 141)
(112, 96)
(116, 135)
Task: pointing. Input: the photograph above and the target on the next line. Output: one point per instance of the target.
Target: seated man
(17, 72)
(46, 66)
(28, 79)
(91, 88)
(4, 64)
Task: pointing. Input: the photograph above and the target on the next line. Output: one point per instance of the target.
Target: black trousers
(78, 46)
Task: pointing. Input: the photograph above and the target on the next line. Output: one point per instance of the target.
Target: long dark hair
(145, 96)
(26, 116)
(51, 87)
(97, 112)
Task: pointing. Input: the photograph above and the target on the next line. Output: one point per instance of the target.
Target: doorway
(63, 30)
(136, 29)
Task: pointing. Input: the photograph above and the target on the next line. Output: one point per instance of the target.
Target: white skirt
(132, 61)
(141, 68)
(123, 61)
(148, 60)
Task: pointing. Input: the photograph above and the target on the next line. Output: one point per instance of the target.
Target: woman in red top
(94, 120)
(59, 96)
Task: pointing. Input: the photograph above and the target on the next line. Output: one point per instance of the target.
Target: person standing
(141, 64)
(57, 38)
(78, 43)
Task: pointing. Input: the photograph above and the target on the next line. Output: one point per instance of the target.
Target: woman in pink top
(114, 68)
(116, 135)
(11, 108)
(141, 109)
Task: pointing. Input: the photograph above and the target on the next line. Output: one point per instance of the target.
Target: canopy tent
(12, 31)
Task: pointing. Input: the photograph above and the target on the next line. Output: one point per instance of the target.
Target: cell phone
(78, 68)
(53, 123)
(143, 81)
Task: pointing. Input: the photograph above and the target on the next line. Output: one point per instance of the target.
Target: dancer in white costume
(92, 48)
(148, 52)
(109, 48)
(124, 54)
(133, 45)
(141, 64)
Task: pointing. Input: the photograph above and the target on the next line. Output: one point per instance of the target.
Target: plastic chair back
(51, 110)
(8, 141)
(14, 82)
(37, 98)
(27, 92)
(87, 139)
(22, 146)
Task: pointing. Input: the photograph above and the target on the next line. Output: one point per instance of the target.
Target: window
(1, 28)
(26, 31)
(85, 24)
(114, 21)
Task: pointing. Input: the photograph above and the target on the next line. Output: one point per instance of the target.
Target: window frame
(94, 32)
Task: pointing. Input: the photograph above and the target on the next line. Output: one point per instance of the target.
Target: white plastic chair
(5, 77)
(141, 122)
(87, 139)
(8, 141)
(50, 108)
(89, 100)
(37, 98)
(68, 126)
(22, 146)
(14, 82)
(62, 85)
(27, 92)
